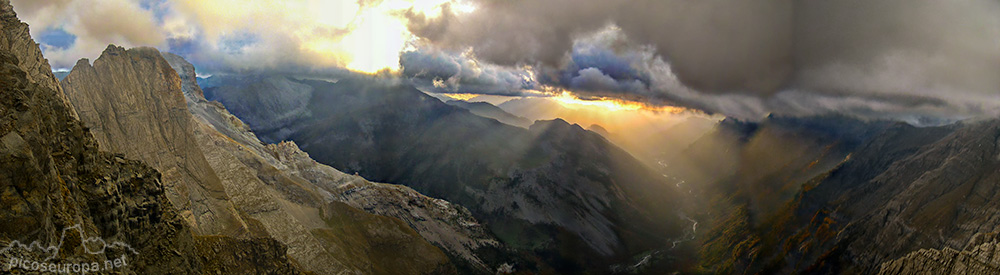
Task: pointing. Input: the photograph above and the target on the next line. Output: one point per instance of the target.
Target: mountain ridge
(525, 184)
(54, 176)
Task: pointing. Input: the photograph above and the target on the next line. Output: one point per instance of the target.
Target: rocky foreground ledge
(980, 256)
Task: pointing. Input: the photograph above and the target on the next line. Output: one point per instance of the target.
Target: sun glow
(375, 37)
(568, 100)
(465, 97)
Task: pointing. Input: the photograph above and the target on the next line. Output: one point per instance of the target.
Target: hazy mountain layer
(900, 190)
(487, 110)
(302, 180)
(554, 179)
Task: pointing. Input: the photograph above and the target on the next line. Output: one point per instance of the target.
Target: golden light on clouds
(375, 37)
(568, 100)
(465, 97)
(363, 37)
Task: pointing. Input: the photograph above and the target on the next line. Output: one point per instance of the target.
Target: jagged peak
(112, 49)
(142, 51)
(84, 62)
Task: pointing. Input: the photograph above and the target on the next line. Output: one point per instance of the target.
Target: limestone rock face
(257, 175)
(137, 104)
(981, 256)
(53, 179)
(132, 102)
(17, 40)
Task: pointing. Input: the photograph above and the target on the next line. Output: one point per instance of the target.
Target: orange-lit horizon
(568, 100)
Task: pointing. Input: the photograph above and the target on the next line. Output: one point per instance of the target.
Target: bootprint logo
(20, 255)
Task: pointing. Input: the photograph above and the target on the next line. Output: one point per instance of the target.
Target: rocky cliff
(137, 105)
(132, 103)
(16, 39)
(980, 256)
(55, 180)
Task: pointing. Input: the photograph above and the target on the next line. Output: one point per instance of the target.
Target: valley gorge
(553, 178)
(152, 160)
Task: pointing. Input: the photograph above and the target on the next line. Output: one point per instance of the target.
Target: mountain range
(270, 173)
(552, 179)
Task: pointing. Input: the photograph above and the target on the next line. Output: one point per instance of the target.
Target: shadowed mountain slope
(228, 140)
(487, 110)
(554, 179)
(901, 189)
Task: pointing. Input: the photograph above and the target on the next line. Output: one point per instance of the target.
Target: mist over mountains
(787, 137)
(527, 184)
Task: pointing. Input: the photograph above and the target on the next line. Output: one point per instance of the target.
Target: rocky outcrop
(132, 103)
(16, 39)
(55, 181)
(301, 180)
(981, 256)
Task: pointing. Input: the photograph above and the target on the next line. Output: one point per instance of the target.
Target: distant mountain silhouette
(487, 110)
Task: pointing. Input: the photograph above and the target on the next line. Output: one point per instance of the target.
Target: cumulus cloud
(716, 44)
(443, 72)
(94, 23)
(236, 35)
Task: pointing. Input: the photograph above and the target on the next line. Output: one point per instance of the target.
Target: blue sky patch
(57, 37)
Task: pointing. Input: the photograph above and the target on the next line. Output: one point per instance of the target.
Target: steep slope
(54, 180)
(132, 103)
(448, 226)
(940, 196)
(565, 193)
(136, 102)
(17, 40)
(745, 173)
(487, 110)
(904, 189)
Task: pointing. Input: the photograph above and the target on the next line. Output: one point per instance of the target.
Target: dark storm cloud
(751, 57)
(716, 44)
(602, 63)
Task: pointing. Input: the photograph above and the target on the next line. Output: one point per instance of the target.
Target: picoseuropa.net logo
(34, 257)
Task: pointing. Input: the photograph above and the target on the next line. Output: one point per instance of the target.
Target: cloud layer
(908, 59)
(441, 72)
(869, 57)
(91, 25)
(232, 35)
